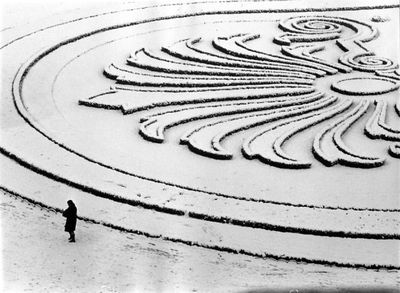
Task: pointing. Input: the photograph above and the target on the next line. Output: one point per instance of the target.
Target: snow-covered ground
(37, 257)
(209, 145)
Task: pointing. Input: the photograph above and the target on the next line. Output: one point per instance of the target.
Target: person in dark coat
(70, 224)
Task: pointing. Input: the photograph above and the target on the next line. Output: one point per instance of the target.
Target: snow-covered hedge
(342, 154)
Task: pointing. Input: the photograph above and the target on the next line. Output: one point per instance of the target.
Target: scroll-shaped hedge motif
(228, 86)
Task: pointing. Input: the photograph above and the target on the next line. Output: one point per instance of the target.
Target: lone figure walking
(70, 224)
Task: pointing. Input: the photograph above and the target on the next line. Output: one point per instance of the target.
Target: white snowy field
(210, 146)
(36, 257)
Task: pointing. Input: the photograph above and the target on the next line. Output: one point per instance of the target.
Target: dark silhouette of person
(70, 224)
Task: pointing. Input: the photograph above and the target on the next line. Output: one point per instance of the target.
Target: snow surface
(37, 257)
(192, 210)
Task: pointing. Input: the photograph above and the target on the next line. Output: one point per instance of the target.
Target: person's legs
(72, 238)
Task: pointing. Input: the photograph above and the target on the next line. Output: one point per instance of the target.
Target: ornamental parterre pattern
(226, 78)
(289, 87)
